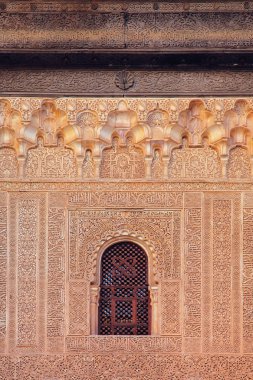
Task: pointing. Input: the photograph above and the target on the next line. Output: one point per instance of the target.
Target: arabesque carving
(194, 162)
(50, 162)
(247, 280)
(3, 269)
(192, 275)
(8, 163)
(239, 163)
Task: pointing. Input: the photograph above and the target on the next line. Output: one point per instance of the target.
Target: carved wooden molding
(146, 83)
(119, 6)
(129, 31)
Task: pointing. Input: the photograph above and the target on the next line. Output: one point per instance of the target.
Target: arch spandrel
(151, 232)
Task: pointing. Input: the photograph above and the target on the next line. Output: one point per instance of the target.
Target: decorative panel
(56, 273)
(192, 272)
(248, 273)
(170, 308)
(3, 270)
(159, 231)
(27, 272)
(221, 273)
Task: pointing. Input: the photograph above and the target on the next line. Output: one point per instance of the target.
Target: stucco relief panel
(221, 314)
(27, 272)
(3, 271)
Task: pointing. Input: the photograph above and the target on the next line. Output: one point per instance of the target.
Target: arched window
(124, 303)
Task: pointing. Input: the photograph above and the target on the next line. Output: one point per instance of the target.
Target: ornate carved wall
(171, 174)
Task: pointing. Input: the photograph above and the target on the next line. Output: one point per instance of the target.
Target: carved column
(165, 166)
(21, 167)
(148, 162)
(97, 161)
(79, 166)
(94, 293)
(154, 293)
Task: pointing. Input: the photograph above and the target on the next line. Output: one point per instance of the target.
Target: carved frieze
(147, 83)
(137, 31)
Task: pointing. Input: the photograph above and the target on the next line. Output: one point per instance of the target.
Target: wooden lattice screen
(124, 305)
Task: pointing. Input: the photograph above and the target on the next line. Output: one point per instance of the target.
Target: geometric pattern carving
(238, 163)
(194, 163)
(122, 162)
(170, 308)
(221, 271)
(248, 280)
(124, 294)
(8, 163)
(192, 274)
(78, 308)
(50, 162)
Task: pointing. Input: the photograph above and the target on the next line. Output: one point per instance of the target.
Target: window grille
(124, 305)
